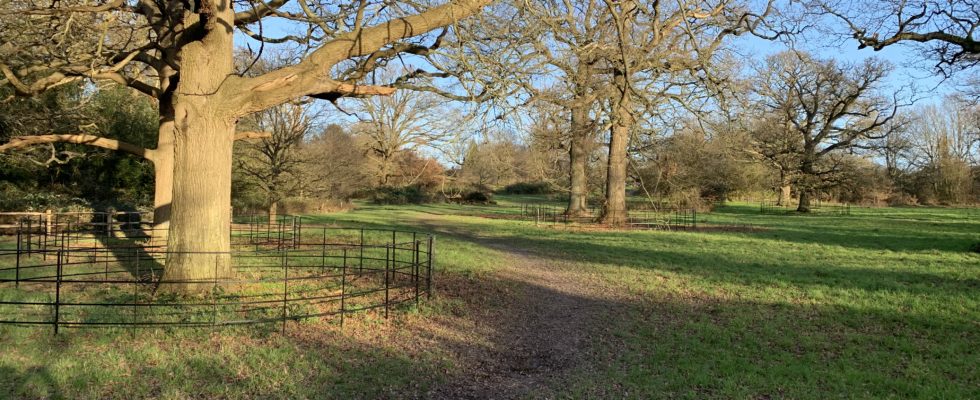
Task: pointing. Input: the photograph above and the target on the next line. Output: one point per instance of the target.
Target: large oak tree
(181, 52)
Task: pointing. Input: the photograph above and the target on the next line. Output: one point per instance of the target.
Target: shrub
(902, 199)
(412, 194)
(528, 188)
(478, 197)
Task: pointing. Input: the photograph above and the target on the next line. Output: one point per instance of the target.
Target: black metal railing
(280, 272)
(648, 218)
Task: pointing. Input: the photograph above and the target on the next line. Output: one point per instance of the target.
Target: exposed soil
(543, 328)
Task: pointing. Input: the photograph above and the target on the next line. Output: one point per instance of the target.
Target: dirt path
(542, 332)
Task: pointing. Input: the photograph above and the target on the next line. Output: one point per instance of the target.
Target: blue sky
(911, 66)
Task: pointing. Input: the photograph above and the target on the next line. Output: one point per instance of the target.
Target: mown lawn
(882, 303)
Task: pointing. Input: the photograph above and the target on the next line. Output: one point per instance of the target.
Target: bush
(902, 199)
(478, 197)
(527, 188)
(412, 194)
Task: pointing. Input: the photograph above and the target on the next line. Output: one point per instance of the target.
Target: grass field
(882, 303)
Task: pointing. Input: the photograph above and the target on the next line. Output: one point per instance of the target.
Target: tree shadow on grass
(891, 230)
(32, 382)
(698, 259)
(509, 337)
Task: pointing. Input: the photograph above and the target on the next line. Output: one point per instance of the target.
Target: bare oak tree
(182, 54)
(275, 163)
(662, 52)
(404, 121)
(827, 108)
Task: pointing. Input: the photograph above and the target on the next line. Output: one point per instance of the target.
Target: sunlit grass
(881, 303)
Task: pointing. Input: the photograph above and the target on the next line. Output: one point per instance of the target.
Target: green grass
(882, 303)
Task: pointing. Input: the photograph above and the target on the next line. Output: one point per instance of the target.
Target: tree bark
(163, 182)
(785, 191)
(199, 241)
(615, 213)
(806, 168)
(578, 157)
(804, 206)
(273, 212)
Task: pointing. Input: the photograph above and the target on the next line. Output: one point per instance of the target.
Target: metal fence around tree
(91, 276)
(816, 206)
(646, 218)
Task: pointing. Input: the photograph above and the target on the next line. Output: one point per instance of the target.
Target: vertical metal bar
(428, 271)
(285, 289)
(394, 252)
(279, 228)
(214, 293)
(415, 271)
(387, 264)
(57, 295)
(47, 231)
(299, 232)
(29, 236)
(360, 262)
(136, 291)
(323, 252)
(343, 289)
(19, 249)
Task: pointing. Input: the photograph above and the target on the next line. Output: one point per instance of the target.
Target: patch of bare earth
(522, 331)
(540, 330)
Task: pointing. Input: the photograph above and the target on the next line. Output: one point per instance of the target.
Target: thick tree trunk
(163, 180)
(785, 191)
(615, 213)
(273, 212)
(199, 241)
(578, 157)
(806, 189)
(804, 201)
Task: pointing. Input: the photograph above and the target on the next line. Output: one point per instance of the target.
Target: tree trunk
(273, 212)
(615, 213)
(163, 181)
(804, 206)
(199, 241)
(578, 157)
(785, 191)
(807, 185)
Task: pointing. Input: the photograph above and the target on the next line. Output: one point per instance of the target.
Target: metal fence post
(136, 291)
(285, 289)
(343, 289)
(323, 253)
(17, 267)
(57, 295)
(360, 262)
(29, 228)
(387, 263)
(415, 270)
(428, 271)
